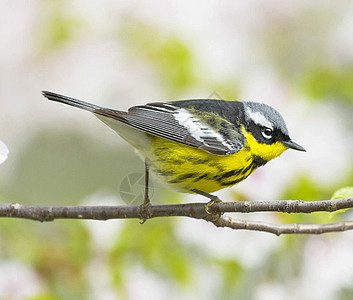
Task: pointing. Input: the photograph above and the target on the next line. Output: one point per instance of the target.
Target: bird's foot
(213, 199)
(144, 212)
(210, 203)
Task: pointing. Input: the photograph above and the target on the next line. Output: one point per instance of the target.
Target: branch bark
(197, 211)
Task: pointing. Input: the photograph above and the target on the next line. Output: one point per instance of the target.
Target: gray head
(267, 125)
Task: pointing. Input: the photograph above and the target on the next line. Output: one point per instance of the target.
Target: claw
(143, 212)
(210, 203)
(213, 199)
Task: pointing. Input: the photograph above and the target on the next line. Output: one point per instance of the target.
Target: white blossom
(4, 151)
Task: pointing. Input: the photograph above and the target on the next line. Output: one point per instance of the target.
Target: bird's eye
(267, 133)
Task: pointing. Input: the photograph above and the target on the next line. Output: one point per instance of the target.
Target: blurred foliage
(294, 41)
(57, 251)
(285, 262)
(305, 188)
(172, 58)
(345, 293)
(155, 247)
(233, 277)
(63, 167)
(327, 82)
(166, 52)
(57, 26)
(227, 90)
(346, 192)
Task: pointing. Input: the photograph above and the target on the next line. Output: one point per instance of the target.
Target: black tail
(70, 101)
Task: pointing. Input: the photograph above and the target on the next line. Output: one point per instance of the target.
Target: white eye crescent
(267, 133)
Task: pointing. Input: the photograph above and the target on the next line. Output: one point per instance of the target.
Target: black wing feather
(158, 119)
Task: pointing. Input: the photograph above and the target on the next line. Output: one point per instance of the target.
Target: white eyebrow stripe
(259, 118)
(197, 129)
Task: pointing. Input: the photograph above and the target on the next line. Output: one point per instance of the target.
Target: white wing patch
(259, 118)
(198, 130)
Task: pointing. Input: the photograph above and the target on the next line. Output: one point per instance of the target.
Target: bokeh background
(296, 56)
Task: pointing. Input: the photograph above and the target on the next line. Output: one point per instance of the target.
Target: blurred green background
(296, 56)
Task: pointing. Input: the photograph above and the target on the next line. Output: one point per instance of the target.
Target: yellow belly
(186, 168)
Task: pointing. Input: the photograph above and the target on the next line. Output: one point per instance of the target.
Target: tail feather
(70, 101)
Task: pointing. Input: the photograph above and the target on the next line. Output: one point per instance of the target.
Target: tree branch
(197, 211)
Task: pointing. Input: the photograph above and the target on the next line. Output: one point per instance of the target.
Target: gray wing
(177, 124)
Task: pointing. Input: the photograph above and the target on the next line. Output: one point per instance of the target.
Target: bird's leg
(144, 215)
(213, 199)
(147, 199)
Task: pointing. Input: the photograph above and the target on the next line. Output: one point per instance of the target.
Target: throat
(263, 153)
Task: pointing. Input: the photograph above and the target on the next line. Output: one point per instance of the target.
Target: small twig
(279, 229)
(194, 210)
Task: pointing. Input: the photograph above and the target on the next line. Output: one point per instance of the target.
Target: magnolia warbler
(197, 146)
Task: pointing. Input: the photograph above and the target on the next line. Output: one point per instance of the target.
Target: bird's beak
(293, 145)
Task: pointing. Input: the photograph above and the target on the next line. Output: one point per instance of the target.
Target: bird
(197, 146)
